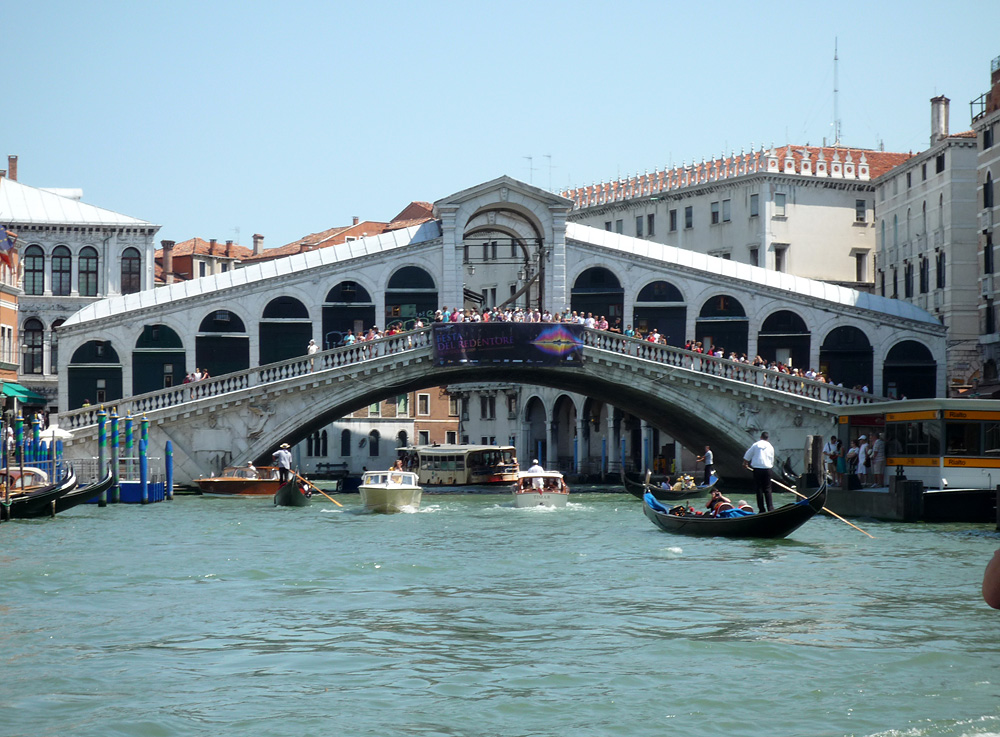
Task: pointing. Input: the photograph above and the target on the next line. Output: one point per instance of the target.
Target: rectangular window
(201, 268)
(940, 270)
(225, 268)
(423, 437)
(988, 254)
(779, 205)
(990, 326)
(423, 404)
(403, 405)
(453, 406)
(861, 267)
(925, 275)
(860, 211)
(673, 222)
(715, 213)
(909, 179)
(754, 205)
(939, 164)
(908, 281)
(987, 137)
(619, 226)
(689, 217)
(923, 172)
(780, 258)
(755, 257)
(650, 222)
(487, 407)
(607, 225)
(375, 410)
(638, 226)
(726, 211)
(450, 437)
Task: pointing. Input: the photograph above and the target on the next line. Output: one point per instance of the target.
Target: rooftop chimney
(258, 244)
(12, 168)
(211, 246)
(939, 118)
(229, 249)
(168, 261)
(355, 220)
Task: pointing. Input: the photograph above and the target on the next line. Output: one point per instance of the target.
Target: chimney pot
(355, 220)
(229, 249)
(168, 261)
(939, 118)
(258, 244)
(211, 246)
(12, 167)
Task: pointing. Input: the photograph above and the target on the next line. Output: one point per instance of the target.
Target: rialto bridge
(502, 241)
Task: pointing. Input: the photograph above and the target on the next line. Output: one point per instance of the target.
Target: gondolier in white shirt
(759, 458)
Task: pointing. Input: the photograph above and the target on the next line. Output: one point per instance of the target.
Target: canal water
(225, 617)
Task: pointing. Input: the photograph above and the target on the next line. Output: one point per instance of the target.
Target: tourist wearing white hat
(864, 459)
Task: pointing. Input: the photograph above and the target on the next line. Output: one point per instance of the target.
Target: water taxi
(540, 489)
(387, 492)
(241, 481)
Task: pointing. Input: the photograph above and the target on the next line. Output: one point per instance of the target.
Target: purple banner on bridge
(522, 343)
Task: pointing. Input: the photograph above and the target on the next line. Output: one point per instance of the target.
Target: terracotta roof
(197, 246)
(963, 134)
(323, 239)
(415, 211)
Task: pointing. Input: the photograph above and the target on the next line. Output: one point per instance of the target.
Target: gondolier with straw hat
(759, 458)
(283, 460)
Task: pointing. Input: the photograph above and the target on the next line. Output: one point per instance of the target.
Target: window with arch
(925, 275)
(62, 271)
(988, 191)
(34, 270)
(86, 285)
(373, 438)
(345, 443)
(131, 271)
(32, 341)
(940, 269)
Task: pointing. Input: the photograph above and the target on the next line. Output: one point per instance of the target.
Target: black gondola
(292, 493)
(779, 522)
(83, 494)
(638, 488)
(38, 503)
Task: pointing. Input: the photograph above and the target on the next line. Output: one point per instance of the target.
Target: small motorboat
(387, 492)
(777, 523)
(540, 489)
(295, 493)
(241, 481)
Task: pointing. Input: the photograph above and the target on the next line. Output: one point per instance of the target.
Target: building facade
(802, 210)
(72, 254)
(986, 124)
(927, 240)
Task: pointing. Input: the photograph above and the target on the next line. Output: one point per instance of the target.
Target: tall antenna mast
(531, 169)
(836, 94)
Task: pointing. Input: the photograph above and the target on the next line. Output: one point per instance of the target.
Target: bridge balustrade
(422, 338)
(725, 368)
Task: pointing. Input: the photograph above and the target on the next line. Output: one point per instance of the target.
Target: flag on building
(8, 246)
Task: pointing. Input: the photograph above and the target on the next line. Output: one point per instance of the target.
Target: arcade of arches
(161, 358)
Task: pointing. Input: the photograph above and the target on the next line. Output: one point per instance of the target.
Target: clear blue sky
(289, 118)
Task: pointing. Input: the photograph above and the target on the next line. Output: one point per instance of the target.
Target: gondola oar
(319, 490)
(832, 514)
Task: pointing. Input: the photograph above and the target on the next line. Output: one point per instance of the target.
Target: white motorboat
(540, 489)
(387, 492)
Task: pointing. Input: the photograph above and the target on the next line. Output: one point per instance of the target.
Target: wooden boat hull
(292, 495)
(39, 503)
(384, 500)
(774, 524)
(238, 487)
(531, 498)
(84, 494)
(638, 489)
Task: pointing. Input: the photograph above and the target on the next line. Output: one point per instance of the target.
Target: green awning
(22, 393)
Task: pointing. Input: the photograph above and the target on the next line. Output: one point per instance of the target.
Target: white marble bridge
(245, 415)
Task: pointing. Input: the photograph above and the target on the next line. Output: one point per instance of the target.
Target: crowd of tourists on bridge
(596, 322)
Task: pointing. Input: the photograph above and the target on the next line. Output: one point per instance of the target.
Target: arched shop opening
(348, 306)
(909, 371)
(846, 357)
(94, 375)
(285, 330)
(598, 291)
(723, 324)
(660, 306)
(410, 294)
(784, 338)
(222, 345)
(157, 359)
